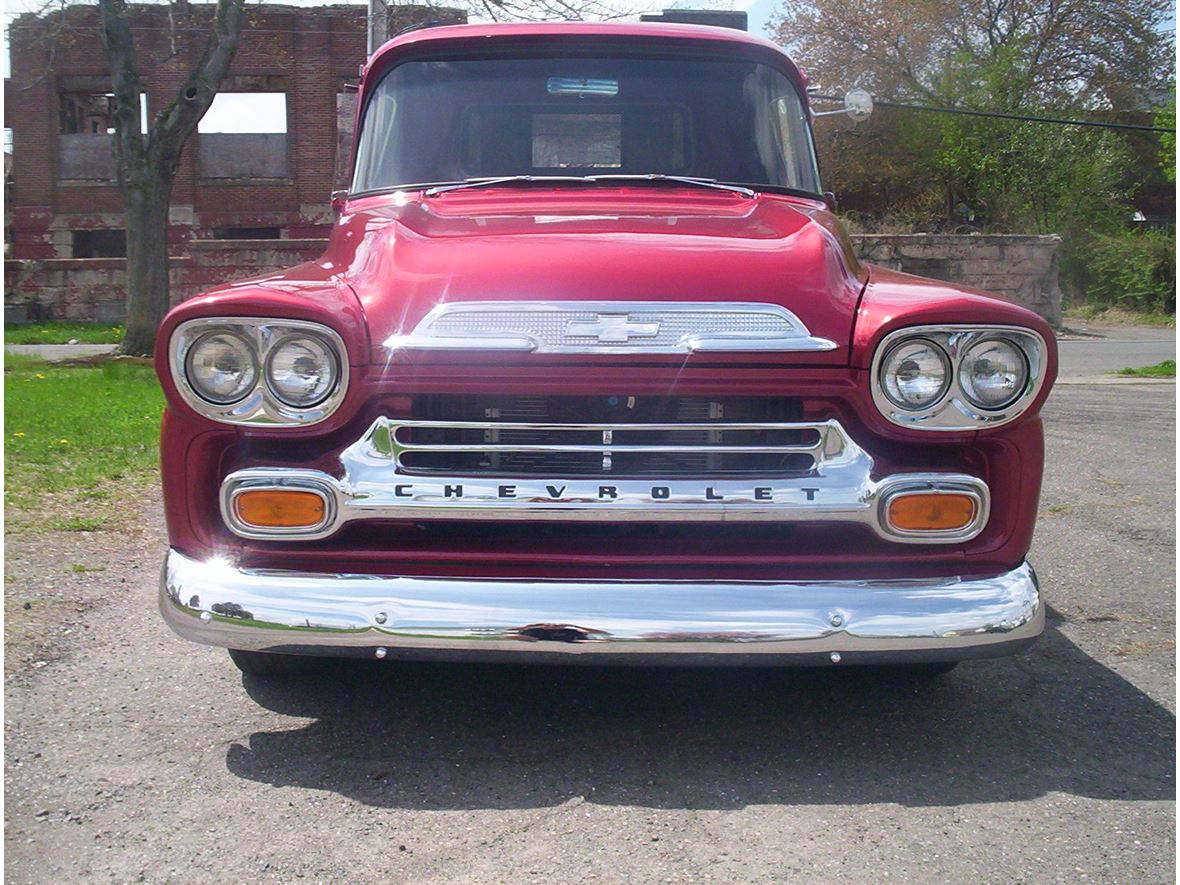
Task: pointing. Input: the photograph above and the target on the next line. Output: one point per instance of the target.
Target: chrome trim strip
(543, 327)
(259, 406)
(506, 499)
(839, 488)
(953, 412)
(218, 603)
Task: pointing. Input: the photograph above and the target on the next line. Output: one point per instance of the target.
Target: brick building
(241, 185)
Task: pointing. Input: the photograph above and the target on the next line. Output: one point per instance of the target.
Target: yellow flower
(19, 433)
(64, 442)
(39, 375)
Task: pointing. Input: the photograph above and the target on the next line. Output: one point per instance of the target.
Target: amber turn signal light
(931, 512)
(279, 508)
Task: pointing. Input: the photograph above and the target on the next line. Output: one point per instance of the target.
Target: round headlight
(993, 374)
(302, 371)
(915, 374)
(221, 367)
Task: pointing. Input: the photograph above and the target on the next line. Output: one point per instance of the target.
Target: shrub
(1134, 271)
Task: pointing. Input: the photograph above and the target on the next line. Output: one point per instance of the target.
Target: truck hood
(406, 254)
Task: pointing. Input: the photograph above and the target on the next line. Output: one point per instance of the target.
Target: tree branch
(177, 122)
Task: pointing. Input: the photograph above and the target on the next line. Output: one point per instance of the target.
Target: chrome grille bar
(397, 440)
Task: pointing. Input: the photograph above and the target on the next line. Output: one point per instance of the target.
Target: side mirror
(830, 201)
(339, 198)
(858, 105)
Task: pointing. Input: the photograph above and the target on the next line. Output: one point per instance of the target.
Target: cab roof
(447, 36)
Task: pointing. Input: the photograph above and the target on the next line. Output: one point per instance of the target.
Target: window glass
(431, 122)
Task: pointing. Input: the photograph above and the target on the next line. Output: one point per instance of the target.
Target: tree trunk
(147, 162)
(146, 208)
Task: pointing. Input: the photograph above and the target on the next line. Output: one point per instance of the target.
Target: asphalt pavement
(1090, 350)
(134, 756)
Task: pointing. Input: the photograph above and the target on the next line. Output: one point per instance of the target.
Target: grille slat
(617, 436)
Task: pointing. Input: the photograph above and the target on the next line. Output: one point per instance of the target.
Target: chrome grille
(616, 436)
(610, 327)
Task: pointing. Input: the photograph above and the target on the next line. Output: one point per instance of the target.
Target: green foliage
(1134, 271)
(61, 333)
(1165, 117)
(1166, 369)
(78, 427)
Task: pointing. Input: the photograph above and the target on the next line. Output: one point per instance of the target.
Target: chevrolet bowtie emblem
(612, 328)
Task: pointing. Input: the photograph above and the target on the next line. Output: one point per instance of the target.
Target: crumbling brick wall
(1021, 268)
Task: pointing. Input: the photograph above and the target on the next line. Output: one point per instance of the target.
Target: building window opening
(86, 119)
(93, 113)
(100, 243)
(244, 135)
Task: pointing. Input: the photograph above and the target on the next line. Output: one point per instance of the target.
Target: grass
(61, 333)
(1166, 369)
(75, 428)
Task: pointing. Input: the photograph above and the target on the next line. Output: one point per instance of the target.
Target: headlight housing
(301, 370)
(993, 373)
(247, 370)
(222, 367)
(915, 374)
(957, 377)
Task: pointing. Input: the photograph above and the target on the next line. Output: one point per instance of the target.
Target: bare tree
(146, 163)
(540, 10)
(1061, 53)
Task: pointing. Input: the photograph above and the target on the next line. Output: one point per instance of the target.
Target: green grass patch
(61, 333)
(78, 523)
(1166, 369)
(80, 569)
(74, 428)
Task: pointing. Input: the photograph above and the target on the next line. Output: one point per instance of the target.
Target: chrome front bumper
(814, 622)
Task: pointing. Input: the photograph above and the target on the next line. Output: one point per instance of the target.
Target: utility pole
(378, 24)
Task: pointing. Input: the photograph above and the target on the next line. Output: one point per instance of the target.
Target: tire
(268, 665)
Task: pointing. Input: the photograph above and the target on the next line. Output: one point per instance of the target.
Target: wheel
(268, 665)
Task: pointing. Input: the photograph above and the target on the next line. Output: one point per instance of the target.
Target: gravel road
(134, 756)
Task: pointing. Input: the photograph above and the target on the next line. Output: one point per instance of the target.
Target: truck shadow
(444, 736)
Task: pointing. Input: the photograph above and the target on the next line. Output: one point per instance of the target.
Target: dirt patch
(65, 558)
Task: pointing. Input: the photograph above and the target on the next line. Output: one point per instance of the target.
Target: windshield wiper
(710, 183)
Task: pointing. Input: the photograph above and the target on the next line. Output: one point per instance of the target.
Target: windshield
(431, 122)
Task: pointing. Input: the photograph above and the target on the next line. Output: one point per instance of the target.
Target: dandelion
(64, 442)
(19, 433)
(39, 375)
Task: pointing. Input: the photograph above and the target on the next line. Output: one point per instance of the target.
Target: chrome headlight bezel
(955, 411)
(260, 405)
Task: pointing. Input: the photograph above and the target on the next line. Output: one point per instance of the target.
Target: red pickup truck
(589, 372)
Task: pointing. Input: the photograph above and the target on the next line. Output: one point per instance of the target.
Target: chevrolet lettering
(589, 372)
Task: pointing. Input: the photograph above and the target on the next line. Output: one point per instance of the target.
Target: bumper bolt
(834, 657)
(836, 621)
(381, 617)
(381, 652)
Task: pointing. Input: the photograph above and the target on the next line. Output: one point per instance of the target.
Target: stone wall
(95, 289)
(1021, 268)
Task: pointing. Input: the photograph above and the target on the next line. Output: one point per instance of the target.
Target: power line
(1003, 116)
